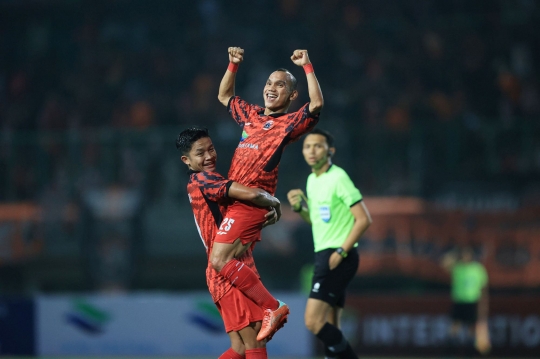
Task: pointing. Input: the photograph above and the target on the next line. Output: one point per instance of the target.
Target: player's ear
(293, 95)
(185, 159)
(331, 151)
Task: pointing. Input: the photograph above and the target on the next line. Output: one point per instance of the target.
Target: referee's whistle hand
(295, 197)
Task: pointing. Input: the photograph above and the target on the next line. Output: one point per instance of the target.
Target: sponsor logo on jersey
(252, 146)
(268, 125)
(244, 136)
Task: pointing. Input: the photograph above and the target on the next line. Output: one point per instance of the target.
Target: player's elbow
(224, 98)
(316, 105)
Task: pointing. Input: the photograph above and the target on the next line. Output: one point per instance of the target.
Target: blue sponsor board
(17, 326)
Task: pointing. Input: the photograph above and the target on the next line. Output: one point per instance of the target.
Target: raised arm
(316, 100)
(226, 87)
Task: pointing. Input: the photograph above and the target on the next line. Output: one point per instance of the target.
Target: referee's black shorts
(330, 285)
(466, 313)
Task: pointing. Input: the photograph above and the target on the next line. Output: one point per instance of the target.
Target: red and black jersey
(208, 195)
(264, 137)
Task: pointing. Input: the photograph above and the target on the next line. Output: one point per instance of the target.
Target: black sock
(328, 354)
(335, 342)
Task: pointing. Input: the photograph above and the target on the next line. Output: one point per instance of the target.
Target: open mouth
(271, 97)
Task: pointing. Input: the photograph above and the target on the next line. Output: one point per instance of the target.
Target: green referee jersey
(330, 196)
(468, 279)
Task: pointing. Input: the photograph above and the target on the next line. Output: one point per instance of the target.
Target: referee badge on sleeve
(324, 211)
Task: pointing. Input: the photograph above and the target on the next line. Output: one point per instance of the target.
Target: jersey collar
(274, 115)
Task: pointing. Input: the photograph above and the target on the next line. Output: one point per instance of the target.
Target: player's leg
(222, 253)
(241, 276)
(255, 349)
(241, 226)
(334, 318)
(328, 292)
(237, 349)
(316, 320)
(244, 224)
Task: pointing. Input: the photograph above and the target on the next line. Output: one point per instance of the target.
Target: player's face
(315, 150)
(202, 156)
(276, 93)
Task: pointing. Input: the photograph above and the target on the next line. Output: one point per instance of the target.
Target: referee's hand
(334, 260)
(295, 197)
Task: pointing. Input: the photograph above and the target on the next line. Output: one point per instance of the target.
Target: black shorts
(330, 285)
(466, 313)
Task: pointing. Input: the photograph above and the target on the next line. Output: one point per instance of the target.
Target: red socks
(258, 353)
(243, 278)
(231, 354)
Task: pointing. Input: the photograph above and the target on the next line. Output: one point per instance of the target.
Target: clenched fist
(295, 197)
(300, 57)
(236, 55)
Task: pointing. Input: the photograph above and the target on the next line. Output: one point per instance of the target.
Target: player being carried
(209, 193)
(265, 133)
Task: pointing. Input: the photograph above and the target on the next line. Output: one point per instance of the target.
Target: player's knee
(313, 324)
(239, 348)
(253, 343)
(217, 263)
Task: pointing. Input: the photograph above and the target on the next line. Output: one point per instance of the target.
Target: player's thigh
(249, 335)
(227, 251)
(241, 222)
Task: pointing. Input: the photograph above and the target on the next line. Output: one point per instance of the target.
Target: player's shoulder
(206, 176)
(239, 101)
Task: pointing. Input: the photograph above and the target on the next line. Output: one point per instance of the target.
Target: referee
(338, 218)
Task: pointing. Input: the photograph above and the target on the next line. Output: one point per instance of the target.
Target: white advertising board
(151, 324)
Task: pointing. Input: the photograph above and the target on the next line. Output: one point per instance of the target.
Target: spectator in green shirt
(338, 218)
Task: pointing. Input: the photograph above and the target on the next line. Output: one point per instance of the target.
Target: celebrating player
(265, 133)
(208, 193)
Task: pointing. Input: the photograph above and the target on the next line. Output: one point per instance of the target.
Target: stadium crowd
(422, 94)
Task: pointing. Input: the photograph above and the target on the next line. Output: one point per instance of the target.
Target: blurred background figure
(470, 297)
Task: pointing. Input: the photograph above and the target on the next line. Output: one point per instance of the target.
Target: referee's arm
(362, 220)
(295, 197)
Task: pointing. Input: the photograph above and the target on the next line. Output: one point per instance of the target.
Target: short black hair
(326, 134)
(293, 83)
(186, 138)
